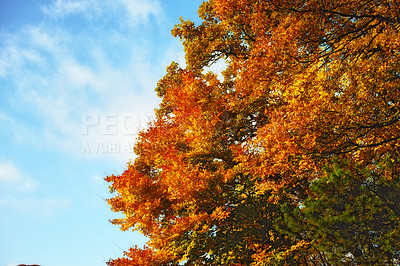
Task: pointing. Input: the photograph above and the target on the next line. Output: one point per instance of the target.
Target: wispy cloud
(128, 12)
(18, 192)
(13, 178)
(9, 173)
(62, 76)
(61, 8)
(140, 11)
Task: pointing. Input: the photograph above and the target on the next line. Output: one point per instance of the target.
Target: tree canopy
(290, 156)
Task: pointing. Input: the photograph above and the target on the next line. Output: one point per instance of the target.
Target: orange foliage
(305, 81)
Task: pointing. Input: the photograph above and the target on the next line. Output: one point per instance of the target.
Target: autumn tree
(290, 156)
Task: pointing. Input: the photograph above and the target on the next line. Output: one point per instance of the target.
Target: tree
(245, 169)
(351, 216)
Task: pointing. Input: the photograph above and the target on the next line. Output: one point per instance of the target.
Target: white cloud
(29, 184)
(48, 40)
(12, 176)
(61, 8)
(13, 59)
(32, 48)
(61, 76)
(17, 188)
(139, 11)
(129, 12)
(78, 75)
(9, 173)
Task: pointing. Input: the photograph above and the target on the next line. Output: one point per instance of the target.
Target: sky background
(77, 81)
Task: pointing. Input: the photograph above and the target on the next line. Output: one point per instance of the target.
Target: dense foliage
(289, 157)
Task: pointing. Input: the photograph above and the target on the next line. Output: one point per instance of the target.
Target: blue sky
(77, 81)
